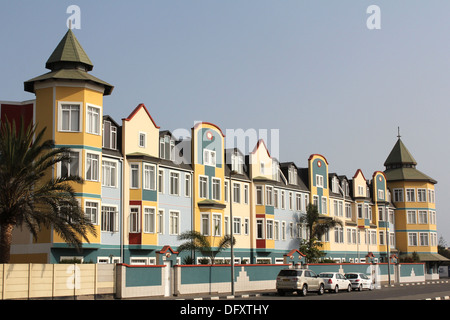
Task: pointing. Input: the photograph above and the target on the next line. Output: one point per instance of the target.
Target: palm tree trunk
(5, 242)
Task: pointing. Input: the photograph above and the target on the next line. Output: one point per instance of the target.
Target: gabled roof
(136, 110)
(70, 51)
(399, 155)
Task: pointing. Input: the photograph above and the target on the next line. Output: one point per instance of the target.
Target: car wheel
(321, 289)
(349, 289)
(360, 287)
(336, 289)
(304, 290)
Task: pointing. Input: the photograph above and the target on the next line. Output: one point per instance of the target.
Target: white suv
(300, 280)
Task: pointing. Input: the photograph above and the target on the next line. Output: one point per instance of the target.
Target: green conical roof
(70, 53)
(400, 155)
(68, 62)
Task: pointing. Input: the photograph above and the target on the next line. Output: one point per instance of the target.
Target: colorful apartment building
(144, 187)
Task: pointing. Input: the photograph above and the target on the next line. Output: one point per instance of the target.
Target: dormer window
(167, 148)
(292, 175)
(209, 157)
(335, 185)
(237, 163)
(109, 135)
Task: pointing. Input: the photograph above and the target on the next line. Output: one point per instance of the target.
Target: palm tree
(317, 227)
(199, 242)
(29, 196)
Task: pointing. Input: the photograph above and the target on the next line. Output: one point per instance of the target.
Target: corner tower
(69, 104)
(413, 195)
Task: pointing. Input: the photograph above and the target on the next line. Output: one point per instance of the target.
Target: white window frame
(89, 120)
(205, 224)
(216, 194)
(79, 163)
(113, 174)
(259, 190)
(217, 224)
(203, 193)
(269, 229)
(142, 135)
(149, 219)
(160, 180)
(98, 208)
(319, 181)
(209, 157)
(174, 214)
(160, 221)
(60, 116)
(105, 223)
(260, 222)
(269, 196)
(238, 193)
(171, 184)
(99, 159)
(246, 194)
(187, 184)
(148, 180)
(137, 222)
(132, 186)
(411, 217)
(237, 223)
(413, 239)
(421, 195)
(410, 195)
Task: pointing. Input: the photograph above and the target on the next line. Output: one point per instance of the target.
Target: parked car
(300, 280)
(335, 281)
(359, 281)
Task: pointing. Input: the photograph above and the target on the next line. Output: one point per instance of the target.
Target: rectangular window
(275, 198)
(109, 136)
(259, 228)
(423, 216)
(411, 217)
(161, 181)
(269, 196)
(319, 180)
(203, 187)
(174, 222)
(93, 120)
(217, 224)
(91, 211)
(283, 199)
(149, 177)
(291, 201)
(187, 185)
(431, 196)
(110, 219)
(174, 183)
(246, 226)
(246, 193)
(298, 198)
(149, 220)
(70, 117)
(134, 176)
(237, 192)
(269, 229)
(360, 211)
(205, 224)
(226, 190)
(398, 195)
(134, 220)
(70, 167)
(92, 164)
(216, 189)
(276, 230)
(237, 225)
(160, 222)
(142, 139)
(283, 230)
(259, 195)
(348, 210)
(422, 195)
(109, 173)
(324, 205)
(209, 157)
(410, 195)
(412, 239)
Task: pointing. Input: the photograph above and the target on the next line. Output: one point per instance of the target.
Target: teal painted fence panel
(143, 276)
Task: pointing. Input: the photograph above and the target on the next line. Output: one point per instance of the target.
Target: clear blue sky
(311, 69)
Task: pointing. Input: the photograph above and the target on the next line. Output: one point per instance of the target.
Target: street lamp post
(232, 237)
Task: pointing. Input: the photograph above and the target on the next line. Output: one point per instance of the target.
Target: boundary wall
(72, 281)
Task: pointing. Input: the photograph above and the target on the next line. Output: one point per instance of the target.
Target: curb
(246, 295)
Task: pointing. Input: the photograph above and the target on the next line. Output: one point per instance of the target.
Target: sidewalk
(213, 296)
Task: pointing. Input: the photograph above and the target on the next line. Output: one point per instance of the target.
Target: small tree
(199, 242)
(317, 227)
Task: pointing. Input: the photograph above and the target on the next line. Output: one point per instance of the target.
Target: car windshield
(326, 275)
(351, 276)
(290, 273)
